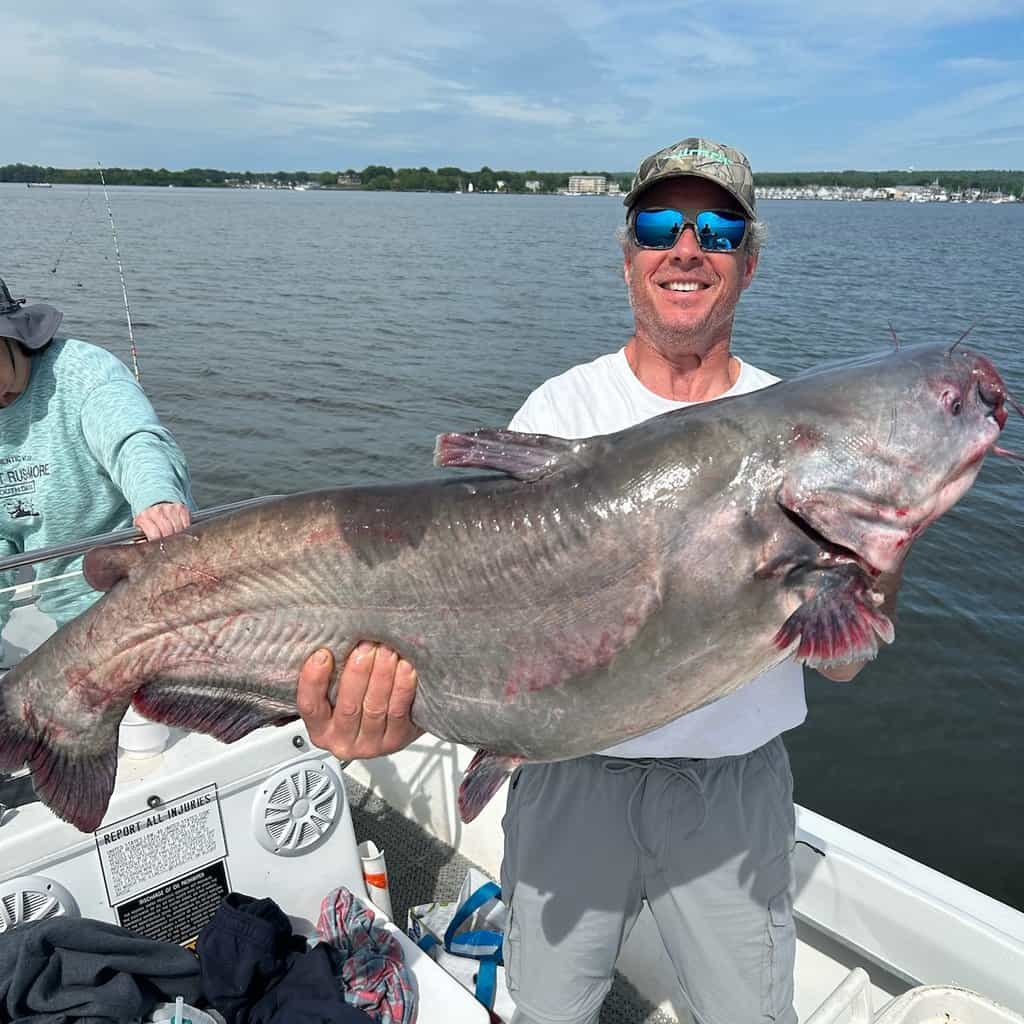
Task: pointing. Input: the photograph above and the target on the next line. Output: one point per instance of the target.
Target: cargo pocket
(780, 955)
(511, 949)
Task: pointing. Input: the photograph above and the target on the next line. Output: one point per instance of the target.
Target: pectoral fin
(483, 778)
(840, 623)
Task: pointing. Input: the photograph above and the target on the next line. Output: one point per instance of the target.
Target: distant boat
(38, 184)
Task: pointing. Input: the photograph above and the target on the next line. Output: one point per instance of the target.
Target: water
(299, 339)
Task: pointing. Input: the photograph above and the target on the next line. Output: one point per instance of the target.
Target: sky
(547, 85)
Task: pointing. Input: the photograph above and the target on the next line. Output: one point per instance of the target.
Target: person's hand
(842, 673)
(371, 712)
(163, 519)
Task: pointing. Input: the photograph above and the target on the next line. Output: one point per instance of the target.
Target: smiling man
(696, 818)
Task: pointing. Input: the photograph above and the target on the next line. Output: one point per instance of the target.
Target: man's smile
(683, 286)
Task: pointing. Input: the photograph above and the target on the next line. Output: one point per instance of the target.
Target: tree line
(375, 177)
(378, 177)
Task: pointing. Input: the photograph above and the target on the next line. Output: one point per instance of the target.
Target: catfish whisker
(962, 336)
(1006, 453)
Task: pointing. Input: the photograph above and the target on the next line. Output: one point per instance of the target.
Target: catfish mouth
(831, 553)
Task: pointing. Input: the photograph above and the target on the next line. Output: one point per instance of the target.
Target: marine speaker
(33, 898)
(297, 808)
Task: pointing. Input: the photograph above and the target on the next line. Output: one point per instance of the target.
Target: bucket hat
(33, 326)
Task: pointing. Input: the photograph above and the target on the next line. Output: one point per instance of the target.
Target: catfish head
(888, 444)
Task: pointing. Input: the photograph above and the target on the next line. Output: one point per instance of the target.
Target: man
(696, 817)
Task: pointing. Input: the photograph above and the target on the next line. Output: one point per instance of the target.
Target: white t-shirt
(603, 397)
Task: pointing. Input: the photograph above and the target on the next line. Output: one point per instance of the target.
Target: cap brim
(33, 326)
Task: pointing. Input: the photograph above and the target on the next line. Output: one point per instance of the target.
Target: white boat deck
(858, 905)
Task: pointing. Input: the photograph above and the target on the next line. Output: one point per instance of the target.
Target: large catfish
(601, 588)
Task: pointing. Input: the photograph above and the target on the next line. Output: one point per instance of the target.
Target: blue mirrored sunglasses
(716, 230)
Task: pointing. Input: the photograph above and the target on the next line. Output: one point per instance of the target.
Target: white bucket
(139, 737)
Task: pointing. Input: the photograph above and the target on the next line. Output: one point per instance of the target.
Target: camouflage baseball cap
(698, 158)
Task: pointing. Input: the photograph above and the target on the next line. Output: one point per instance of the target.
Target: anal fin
(225, 714)
(840, 624)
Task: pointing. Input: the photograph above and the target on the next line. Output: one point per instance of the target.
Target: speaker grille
(33, 898)
(297, 808)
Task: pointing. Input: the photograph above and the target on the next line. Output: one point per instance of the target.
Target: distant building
(349, 180)
(587, 185)
(532, 185)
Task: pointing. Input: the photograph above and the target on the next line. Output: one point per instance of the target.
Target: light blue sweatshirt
(81, 453)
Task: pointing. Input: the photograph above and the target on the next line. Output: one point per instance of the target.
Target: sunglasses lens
(720, 230)
(657, 229)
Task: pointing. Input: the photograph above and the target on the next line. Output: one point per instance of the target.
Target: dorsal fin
(104, 566)
(523, 456)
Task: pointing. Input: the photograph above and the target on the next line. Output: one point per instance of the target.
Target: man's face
(684, 298)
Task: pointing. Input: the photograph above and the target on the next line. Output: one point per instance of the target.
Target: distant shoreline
(380, 178)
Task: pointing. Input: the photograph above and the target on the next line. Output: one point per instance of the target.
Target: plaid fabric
(374, 975)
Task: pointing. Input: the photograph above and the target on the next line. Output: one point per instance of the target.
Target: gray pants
(706, 843)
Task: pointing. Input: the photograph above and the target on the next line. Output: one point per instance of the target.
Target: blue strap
(427, 942)
(487, 892)
(478, 946)
(487, 983)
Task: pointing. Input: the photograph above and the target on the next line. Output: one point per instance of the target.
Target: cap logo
(708, 154)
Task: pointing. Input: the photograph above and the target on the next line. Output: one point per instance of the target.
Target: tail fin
(74, 778)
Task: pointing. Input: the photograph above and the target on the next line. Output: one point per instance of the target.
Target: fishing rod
(130, 533)
(120, 270)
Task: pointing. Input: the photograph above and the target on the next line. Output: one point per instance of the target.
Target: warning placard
(147, 850)
(178, 911)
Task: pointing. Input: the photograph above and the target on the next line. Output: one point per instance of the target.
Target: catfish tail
(72, 770)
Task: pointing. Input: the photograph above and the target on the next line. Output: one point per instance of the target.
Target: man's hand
(842, 673)
(371, 712)
(163, 519)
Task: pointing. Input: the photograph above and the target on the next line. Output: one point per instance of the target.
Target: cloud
(981, 65)
(513, 108)
(539, 83)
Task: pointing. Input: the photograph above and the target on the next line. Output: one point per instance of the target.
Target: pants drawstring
(646, 766)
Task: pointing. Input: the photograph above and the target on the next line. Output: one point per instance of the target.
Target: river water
(294, 340)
